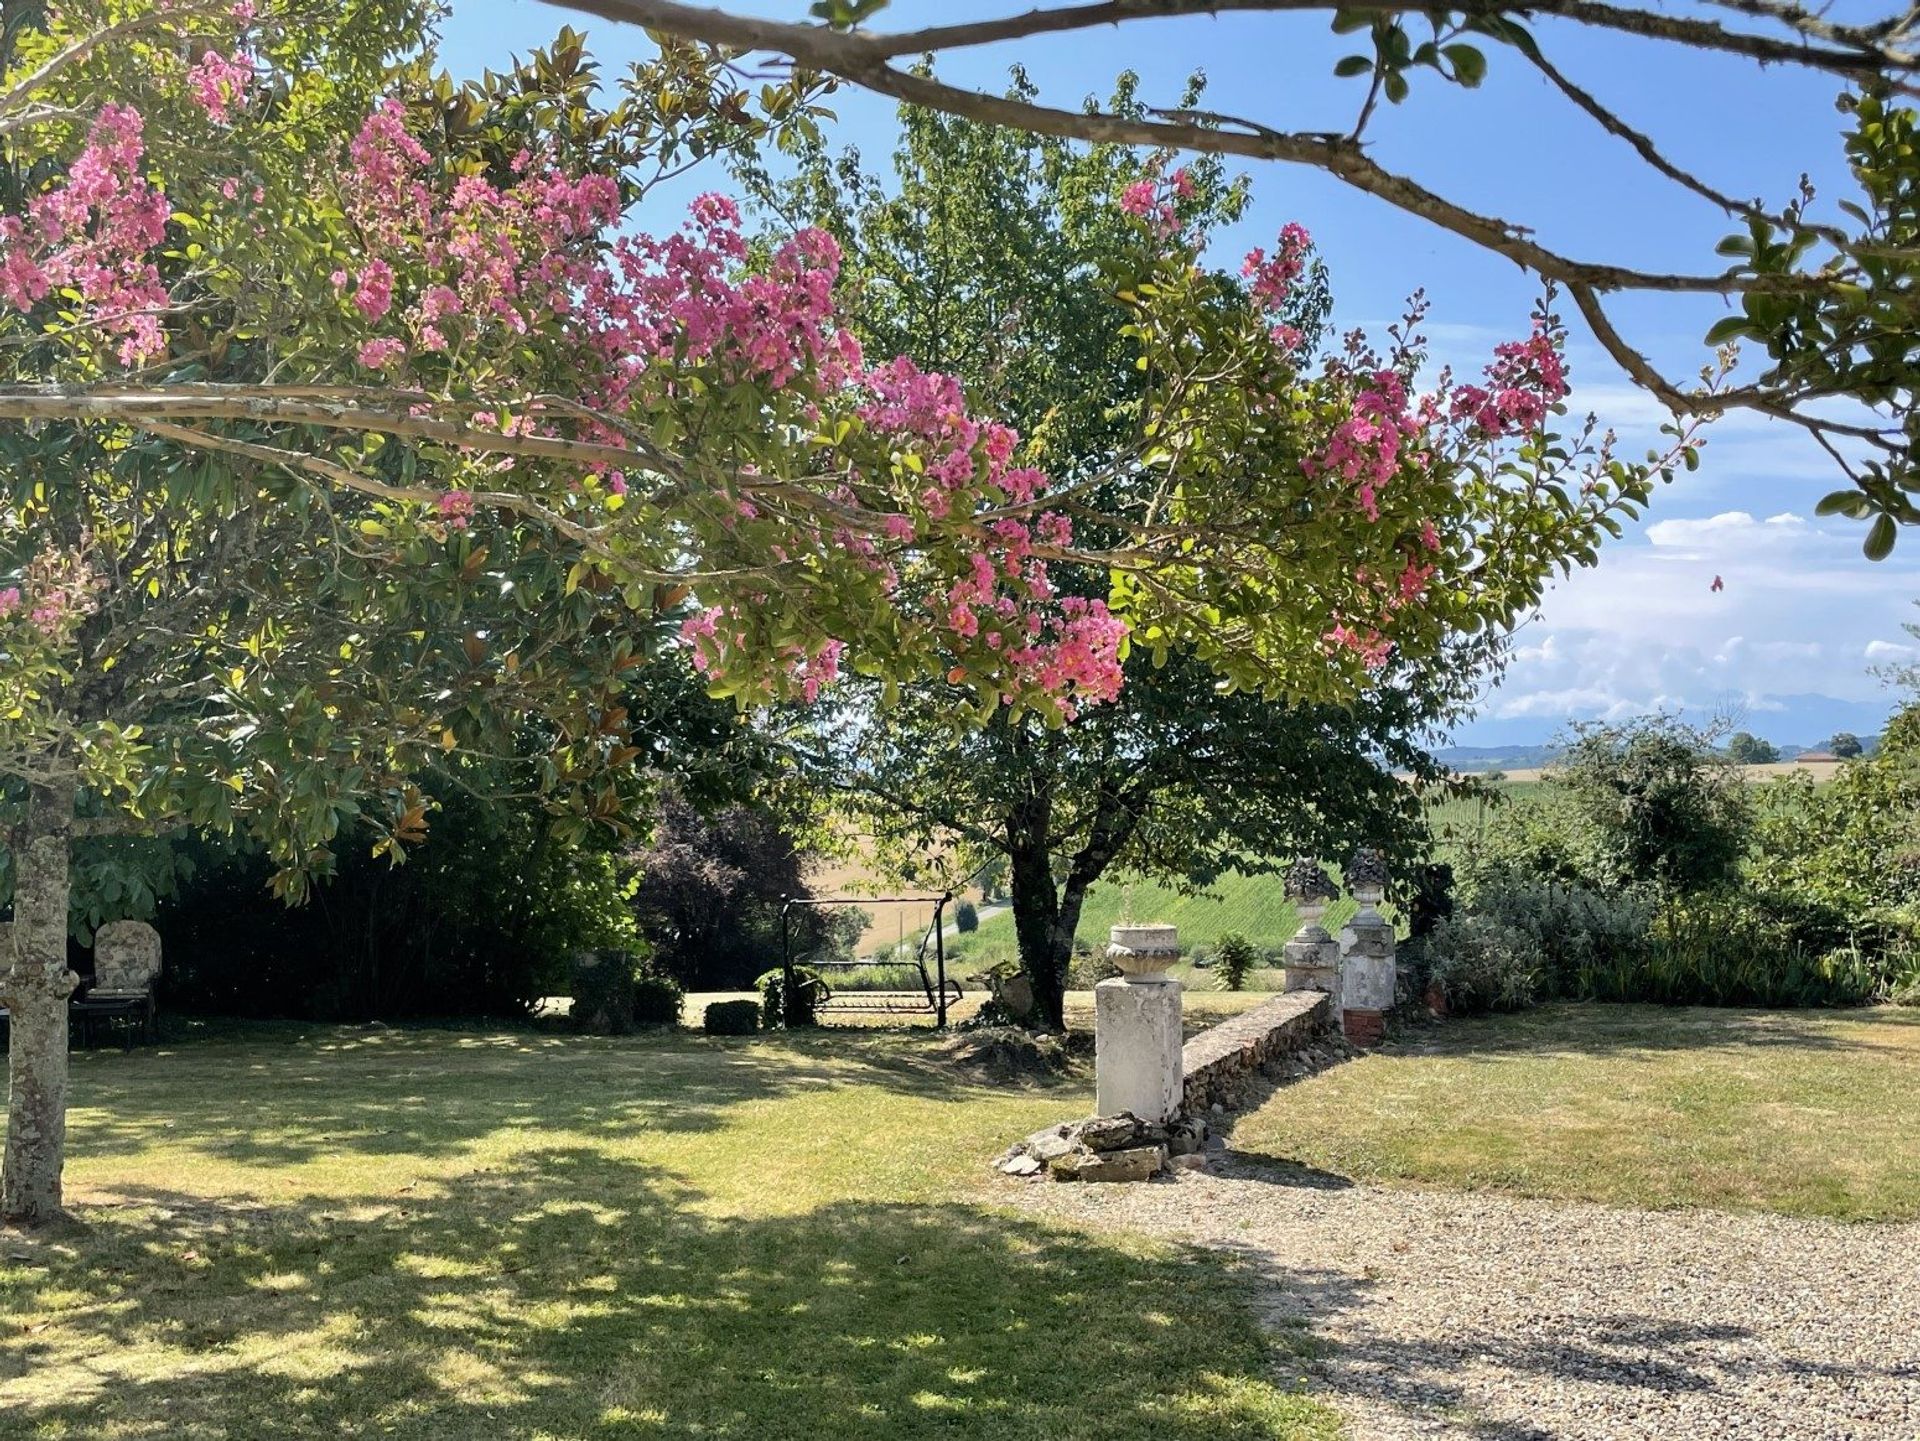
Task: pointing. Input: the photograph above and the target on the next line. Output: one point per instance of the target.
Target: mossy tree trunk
(35, 986)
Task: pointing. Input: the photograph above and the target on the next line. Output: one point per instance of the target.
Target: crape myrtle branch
(1882, 54)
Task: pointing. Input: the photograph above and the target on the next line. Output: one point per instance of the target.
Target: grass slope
(336, 1233)
(1808, 1113)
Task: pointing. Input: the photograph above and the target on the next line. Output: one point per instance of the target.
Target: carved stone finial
(1367, 870)
(1306, 880)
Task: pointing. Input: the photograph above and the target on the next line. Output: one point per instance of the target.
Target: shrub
(966, 917)
(810, 989)
(1646, 805)
(1753, 949)
(1089, 968)
(657, 999)
(1582, 938)
(1653, 804)
(731, 1018)
(1481, 964)
(710, 892)
(1234, 959)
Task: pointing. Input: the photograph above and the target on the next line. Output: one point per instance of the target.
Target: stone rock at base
(1187, 1136)
(1045, 1145)
(1108, 1133)
(1021, 1166)
(1136, 1163)
(1192, 1161)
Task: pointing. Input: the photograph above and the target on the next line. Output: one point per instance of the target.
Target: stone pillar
(1136, 1047)
(1136, 1026)
(1368, 970)
(1312, 956)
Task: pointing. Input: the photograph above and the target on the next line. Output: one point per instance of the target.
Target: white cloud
(1800, 612)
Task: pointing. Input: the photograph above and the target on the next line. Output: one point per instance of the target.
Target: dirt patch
(1007, 1054)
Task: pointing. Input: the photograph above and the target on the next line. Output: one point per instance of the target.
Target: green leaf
(1469, 65)
(1879, 542)
(1352, 65)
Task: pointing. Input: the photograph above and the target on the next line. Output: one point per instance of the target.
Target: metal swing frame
(936, 990)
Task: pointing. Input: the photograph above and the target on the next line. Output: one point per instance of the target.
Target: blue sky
(1790, 641)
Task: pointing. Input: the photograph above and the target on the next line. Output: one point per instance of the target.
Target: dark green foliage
(778, 1009)
(1747, 949)
(1747, 749)
(1846, 745)
(1432, 898)
(481, 920)
(731, 1018)
(657, 999)
(1645, 804)
(710, 891)
(1234, 960)
(966, 917)
(1652, 806)
(603, 984)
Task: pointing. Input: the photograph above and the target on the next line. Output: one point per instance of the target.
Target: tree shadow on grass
(271, 1095)
(582, 1296)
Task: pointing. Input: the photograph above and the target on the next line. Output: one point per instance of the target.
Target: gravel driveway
(1497, 1319)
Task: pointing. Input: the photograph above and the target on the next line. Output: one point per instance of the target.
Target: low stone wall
(1224, 1065)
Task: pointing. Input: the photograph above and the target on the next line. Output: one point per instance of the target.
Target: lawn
(1808, 1113)
(436, 1234)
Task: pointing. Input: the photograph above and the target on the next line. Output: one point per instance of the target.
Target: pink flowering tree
(1337, 532)
(354, 423)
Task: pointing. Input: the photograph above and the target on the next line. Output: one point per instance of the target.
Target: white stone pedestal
(1136, 1048)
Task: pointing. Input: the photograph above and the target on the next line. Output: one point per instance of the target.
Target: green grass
(1807, 1113)
(340, 1233)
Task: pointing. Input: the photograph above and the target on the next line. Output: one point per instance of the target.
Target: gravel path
(1502, 1319)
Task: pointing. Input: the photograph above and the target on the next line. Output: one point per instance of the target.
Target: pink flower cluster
(499, 260)
(682, 298)
(63, 588)
(1365, 448)
(1527, 377)
(218, 84)
(456, 507)
(1157, 202)
(94, 234)
(638, 313)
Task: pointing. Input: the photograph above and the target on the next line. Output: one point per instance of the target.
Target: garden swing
(935, 991)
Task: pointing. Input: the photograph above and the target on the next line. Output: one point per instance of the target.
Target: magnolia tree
(354, 422)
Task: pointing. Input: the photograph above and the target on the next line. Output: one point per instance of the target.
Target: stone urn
(1144, 953)
(1307, 886)
(1366, 878)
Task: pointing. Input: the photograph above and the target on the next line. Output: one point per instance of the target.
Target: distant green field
(1455, 822)
(1252, 905)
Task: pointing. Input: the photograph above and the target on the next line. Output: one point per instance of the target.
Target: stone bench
(1223, 1065)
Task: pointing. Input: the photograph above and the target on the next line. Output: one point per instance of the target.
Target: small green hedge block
(732, 1018)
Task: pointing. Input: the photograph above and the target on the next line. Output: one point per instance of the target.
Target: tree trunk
(1036, 926)
(35, 987)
